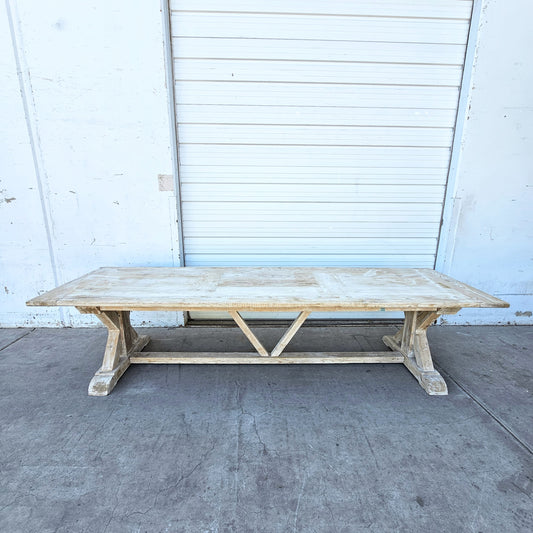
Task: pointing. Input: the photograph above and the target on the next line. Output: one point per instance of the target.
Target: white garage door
(313, 132)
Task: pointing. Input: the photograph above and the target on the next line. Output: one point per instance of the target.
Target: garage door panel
(315, 133)
(351, 73)
(355, 260)
(315, 116)
(313, 175)
(315, 94)
(311, 192)
(455, 9)
(331, 157)
(277, 229)
(295, 245)
(330, 27)
(314, 50)
(241, 212)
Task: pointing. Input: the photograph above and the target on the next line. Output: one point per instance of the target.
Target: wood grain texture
(261, 350)
(411, 341)
(247, 358)
(122, 341)
(289, 334)
(423, 295)
(267, 289)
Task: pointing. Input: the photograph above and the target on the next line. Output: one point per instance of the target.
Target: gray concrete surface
(495, 366)
(266, 449)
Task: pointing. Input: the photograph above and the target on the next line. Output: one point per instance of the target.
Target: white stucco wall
(490, 244)
(85, 193)
(93, 82)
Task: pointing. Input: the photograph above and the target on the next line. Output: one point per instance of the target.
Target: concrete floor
(266, 448)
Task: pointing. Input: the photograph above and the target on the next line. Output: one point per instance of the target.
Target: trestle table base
(124, 347)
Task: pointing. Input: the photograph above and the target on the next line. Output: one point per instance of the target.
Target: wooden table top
(266, 289)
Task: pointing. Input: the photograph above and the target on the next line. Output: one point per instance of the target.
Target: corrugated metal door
(315, 133)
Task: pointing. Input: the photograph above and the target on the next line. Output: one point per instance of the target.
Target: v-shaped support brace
(280, 346)
(124, 346)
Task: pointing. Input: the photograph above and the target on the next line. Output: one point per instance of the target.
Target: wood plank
(267, 289)
(249, 333)
(289, 334)
(240, 358)
(489, 300)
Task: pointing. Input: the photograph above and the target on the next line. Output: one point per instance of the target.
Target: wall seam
(174, 134)
(174, 138)
(451, 205)
(30, 114)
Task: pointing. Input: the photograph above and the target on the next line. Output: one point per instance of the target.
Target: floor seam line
(16, 340)
(485, 408)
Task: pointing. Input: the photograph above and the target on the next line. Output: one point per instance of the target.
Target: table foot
(411, 341)
(104, 382)
(122, 341)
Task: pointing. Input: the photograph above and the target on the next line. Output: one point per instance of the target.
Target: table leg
(122, 341)
(411, 341)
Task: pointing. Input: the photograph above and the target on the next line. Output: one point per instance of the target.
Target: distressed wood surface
(246, 358)
(289, 334)
(411, 341)
(267, 289)
(422, 294)
(249, 333)
(122, 341)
